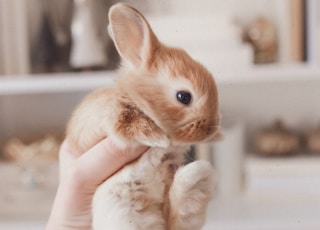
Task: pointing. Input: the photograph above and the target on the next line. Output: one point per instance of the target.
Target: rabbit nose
(209, 130)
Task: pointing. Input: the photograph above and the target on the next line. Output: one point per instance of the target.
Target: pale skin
(79, 179)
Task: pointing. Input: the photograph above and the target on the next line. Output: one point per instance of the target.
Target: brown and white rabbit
(163, 99)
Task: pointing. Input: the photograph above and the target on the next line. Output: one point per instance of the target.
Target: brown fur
(131, 119)
(84, 130)
(142, 109)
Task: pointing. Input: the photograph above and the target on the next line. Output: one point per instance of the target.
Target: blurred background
(263, 54)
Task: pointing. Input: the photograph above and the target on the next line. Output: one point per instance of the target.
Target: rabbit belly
(137, 196)
(122, 205)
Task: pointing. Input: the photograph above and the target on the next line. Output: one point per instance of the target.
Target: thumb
(103, 160)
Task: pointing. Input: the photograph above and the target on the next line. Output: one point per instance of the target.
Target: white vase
(87, 49)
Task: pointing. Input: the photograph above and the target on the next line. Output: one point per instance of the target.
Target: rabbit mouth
(196, 131)
(216, 135)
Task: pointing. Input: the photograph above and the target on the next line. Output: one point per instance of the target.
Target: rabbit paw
(193, 186)
(191, 191)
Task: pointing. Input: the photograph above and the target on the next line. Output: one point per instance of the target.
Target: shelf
(68, 82)
(280, 193)
(269, 73)
(295, 175)
(299, 165)
(246, 213)
(264, 213)
(22, 200)
(55, 83)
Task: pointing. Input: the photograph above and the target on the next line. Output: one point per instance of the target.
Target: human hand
(79, 179)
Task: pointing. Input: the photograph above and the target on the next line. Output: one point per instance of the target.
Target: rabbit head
(177, 93)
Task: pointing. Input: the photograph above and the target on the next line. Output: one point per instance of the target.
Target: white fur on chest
(133, 198)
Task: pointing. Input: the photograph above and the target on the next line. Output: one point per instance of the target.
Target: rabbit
(165, 100)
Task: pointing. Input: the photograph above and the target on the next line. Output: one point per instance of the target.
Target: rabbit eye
(184, 97)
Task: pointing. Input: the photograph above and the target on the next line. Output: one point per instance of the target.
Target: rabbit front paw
(191, 191)
(193, 186)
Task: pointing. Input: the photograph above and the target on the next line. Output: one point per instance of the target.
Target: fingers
(66, 159)
(101, 161)
(80, 177)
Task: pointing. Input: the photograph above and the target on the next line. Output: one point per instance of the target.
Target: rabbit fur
(156, 191)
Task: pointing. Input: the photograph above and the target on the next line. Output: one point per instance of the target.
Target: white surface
(272, 73)
(281, 194)
(55, 83)
(22, 225)
(243, 213)
(299, 175)
(264, 213)
(25, 201)
(304, 165)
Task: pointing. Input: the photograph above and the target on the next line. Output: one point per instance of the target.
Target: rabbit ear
(132, 35)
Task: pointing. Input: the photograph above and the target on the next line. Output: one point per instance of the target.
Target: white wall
(33, 115)
(259, 104)
(245, 9)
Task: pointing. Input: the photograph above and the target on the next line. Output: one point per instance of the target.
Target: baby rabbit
(163, 99)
